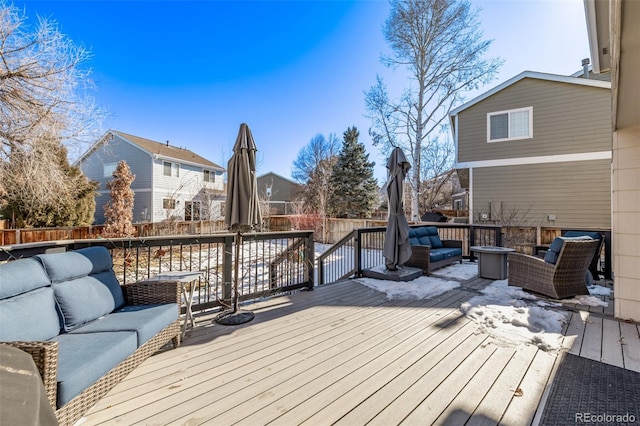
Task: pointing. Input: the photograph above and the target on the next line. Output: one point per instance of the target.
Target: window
(170, 169)
(168, 203)
(457, 204)
(209, 176)
(108, 169)
(510, 125)
(192, 210)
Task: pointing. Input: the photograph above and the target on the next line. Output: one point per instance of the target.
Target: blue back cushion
(425, 236)
(30, 316)
(27, 305)
(556, 245)
(432, 231)
(84, 284)
(21, 276)
(594, 235)
(554, 250)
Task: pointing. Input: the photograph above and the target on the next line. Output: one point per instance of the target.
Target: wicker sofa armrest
(419, 257)
(45, 357)
(150, 292)
(452, 244)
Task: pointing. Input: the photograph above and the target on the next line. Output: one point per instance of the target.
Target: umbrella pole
(236, 272)
(235, 316)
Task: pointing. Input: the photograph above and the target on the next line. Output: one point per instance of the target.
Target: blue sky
(191, 71)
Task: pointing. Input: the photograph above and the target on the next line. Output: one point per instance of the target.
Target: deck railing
(362, 248)
(270, 263)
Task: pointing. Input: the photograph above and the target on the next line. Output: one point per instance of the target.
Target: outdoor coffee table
(186, 280)
(492, 261)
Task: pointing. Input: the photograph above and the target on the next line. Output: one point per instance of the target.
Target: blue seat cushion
(448, 253)
(145, 320)
(21, 276)
(84, 358)
(435, 256)
(414, 241)
(30, 316)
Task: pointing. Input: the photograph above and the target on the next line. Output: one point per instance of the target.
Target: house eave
(535, 75)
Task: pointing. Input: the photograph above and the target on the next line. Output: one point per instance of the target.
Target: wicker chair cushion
(30, 316)
(21, 276)
(84, 358)
(145, 320)
(556, 245)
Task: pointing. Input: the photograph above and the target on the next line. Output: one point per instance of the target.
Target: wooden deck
(345, 354)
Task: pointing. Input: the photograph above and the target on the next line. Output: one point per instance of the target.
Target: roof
(166, 150)
(535, 75)
(279, 176)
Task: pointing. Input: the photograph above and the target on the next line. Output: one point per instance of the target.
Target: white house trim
(545, 159)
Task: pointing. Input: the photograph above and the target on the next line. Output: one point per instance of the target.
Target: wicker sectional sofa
(429, 252)
(84, 331)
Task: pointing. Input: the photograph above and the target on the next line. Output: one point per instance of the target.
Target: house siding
(577, 193)
(567, 119)
(116, 150)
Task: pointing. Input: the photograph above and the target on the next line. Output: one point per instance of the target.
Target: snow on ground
(510, 315)
(421, 288)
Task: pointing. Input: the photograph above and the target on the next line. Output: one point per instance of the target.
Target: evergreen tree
(24, 200)
(355, 190)
(119, 211)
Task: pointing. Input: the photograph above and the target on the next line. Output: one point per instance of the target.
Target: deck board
(346, 354)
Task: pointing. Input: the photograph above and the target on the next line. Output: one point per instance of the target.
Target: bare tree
(313, 169)
(45, 100)
(119, 211)
(440, 45)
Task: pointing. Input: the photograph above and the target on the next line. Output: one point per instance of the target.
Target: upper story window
(209, 176)
(510, 125)
(170, 169)
(108, 169)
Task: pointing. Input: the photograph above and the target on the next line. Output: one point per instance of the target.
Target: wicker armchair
(565, 278)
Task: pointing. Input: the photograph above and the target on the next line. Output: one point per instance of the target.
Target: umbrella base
(231, 317)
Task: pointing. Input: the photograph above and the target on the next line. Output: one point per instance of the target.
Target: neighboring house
(537, 150)
(171, 182)
(443, 192)
(614, 31)
(279, 192)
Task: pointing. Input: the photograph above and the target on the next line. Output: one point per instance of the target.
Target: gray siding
(116, 150)
(567, 119)
(577, 193)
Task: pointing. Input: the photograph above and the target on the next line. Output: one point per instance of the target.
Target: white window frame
(209, 176)
(108, 169)
(509, 112)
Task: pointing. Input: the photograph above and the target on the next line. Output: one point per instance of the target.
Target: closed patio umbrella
(396, 249)
(242, 212)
